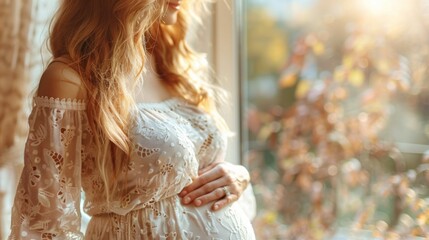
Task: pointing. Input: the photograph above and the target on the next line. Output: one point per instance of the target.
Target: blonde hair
(109, 50)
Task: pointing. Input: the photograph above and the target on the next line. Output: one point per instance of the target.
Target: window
(335, 108)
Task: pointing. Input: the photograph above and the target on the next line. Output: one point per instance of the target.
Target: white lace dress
(172, 140)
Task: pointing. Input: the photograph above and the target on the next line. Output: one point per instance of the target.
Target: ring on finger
(226, 191)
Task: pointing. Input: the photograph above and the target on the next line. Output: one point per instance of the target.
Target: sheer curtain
(22, 55)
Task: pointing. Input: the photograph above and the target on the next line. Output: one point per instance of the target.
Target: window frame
(226, 62)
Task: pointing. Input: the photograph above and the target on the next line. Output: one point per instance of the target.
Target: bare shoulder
(59, 80)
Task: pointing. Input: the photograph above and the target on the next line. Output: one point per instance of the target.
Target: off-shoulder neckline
(63, 103)
(80, 104)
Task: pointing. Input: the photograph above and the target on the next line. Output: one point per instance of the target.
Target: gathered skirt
(169, 219)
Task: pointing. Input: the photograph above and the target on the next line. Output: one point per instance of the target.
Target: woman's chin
(170, 19)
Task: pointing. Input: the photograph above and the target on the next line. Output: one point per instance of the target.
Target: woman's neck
(153, 89)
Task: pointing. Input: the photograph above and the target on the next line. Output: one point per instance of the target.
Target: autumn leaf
(423, 218)
(383, 66)
(265, 132)
(362, 44)
(303, 88)
(288, 80)
(339, 74)
(348, 62)
(270, 217)
(318, 48)
(356, 77)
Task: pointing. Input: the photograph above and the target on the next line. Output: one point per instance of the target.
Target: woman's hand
(220, 182)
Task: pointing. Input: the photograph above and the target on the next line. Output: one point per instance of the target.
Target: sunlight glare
(391, 14)
(376, 7)
(382, 7)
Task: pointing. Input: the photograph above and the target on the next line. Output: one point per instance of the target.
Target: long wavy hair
(108, 41)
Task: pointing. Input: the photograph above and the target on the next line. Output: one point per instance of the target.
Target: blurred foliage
(267, 51)
(332, 160)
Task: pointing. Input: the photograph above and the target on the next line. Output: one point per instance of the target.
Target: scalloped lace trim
(63, 103)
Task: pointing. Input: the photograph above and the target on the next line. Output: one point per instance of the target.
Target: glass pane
(336, 107)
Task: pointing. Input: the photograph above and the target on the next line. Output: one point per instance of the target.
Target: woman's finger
(208, 187)
(224, 192)
(204, 190)
(224, 201)
(213, 191)
(209, 176)
(209, 197)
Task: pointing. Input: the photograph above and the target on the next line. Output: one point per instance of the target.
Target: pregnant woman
(126, 111)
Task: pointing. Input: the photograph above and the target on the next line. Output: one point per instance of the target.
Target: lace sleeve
(47, 200)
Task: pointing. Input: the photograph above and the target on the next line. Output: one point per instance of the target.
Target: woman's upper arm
(59, 80)
(47, 201)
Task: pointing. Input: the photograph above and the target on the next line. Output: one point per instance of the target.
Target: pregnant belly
(169, 219)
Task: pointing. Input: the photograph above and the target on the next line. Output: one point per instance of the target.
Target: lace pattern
(171, 141)
(48, 196)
